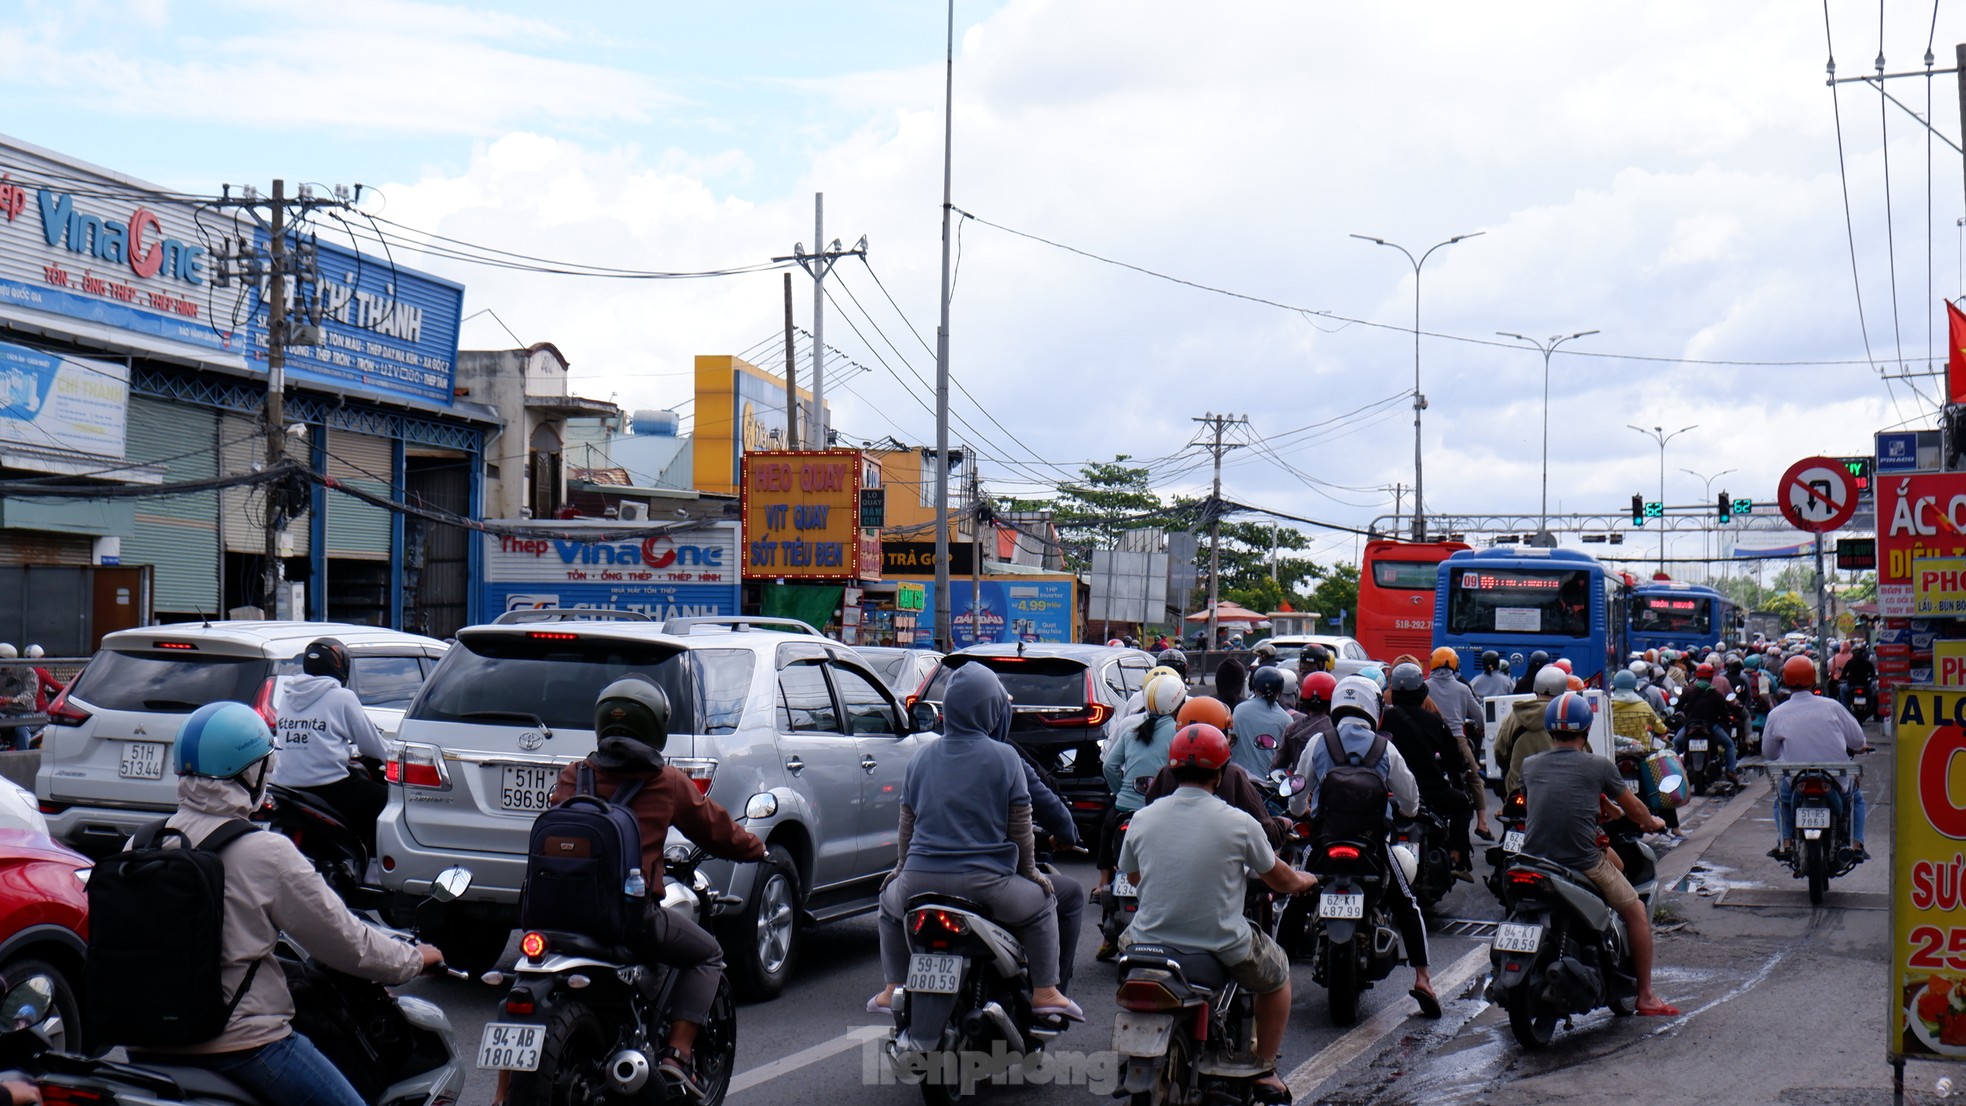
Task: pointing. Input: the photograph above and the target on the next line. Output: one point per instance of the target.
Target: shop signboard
(102, 249)
(1949, 663)
(1918, 515)
(385, 330)
(917, 558)
(681, 575)
(1928, 901)
(1938, 587)
(48, 402)
(1011, 608)
(801, 514)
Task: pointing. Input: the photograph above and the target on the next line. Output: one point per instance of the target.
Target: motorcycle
(1863, 699)
(584, 1021)
(1122, 899)
(1705, 767)
(1353, 940)
(1513, 819)
(1561, 951)
(1185, 1030)
(396, 1050)
(1424, 836)
(1820, 813)
(335, 850)
(968, 991)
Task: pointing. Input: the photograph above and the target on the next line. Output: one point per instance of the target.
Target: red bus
(1396, 596)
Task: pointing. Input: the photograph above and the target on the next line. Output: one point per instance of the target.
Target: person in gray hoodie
(322, 727)
(966, 830)
(224, 754)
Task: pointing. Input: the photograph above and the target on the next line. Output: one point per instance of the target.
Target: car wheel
(761, 944)
(62, 1022)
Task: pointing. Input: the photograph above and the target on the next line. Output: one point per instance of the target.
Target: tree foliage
(1091, 512)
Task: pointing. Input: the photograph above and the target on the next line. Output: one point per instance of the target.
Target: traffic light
(1744, 506)
(1638, 510)
(1725, 506)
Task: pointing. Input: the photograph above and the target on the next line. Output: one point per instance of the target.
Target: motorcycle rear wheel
(1815, 860)
(1341, 981)
(1532, 1027)
(1173, 1079)
(715, 1053)
(572, 1061)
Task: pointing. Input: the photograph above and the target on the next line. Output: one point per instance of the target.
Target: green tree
(1337, 590)
(1090, 513)
(1246, 555)
(1792, 608)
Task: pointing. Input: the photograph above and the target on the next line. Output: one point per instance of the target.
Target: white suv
(791, 732)
(106, 754)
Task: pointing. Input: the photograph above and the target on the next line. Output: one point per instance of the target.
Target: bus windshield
(1405, 575)
(1671, 614)
(1549, 603)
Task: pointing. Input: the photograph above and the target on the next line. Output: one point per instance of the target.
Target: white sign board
(63, 404)
(1496, 708)
(1128, 586)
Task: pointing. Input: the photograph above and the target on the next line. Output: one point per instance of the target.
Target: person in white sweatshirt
(322, 727)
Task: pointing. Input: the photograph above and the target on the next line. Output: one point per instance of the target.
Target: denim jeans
(1785, 812)
(290, 1071)
(1719, 736)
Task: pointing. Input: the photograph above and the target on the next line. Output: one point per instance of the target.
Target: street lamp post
(1707, 497)
(1543, 525)
(1419, 401)
(1658, 434)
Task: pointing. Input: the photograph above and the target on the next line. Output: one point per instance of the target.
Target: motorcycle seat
(566, 943)
(1200, 969)
(196, 1082)
(954, 902)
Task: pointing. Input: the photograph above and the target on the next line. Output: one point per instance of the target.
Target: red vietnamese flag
(1955, 355)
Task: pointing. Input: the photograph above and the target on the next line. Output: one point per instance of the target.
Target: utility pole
(791, 375)
(817, 264)
(975, 513)
(1217, 447)
(943, 628)
(276, 388)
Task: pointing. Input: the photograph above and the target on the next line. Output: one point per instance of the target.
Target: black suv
(1064, 702)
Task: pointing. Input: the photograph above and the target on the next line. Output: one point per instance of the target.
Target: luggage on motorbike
(1351, 798)
(578, 864)
(1666, 764)
(156, 921)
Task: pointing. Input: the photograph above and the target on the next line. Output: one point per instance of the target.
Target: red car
(44, 925)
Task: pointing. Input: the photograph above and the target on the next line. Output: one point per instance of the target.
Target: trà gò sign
(801, 513)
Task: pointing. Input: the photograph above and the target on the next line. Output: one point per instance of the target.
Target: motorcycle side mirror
(1290, 785)
(1266, 741)
(1671, 783)
(450, 884)
(1142, 783)
(28, 1002)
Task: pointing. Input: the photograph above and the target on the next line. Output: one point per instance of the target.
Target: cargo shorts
(1611, 883)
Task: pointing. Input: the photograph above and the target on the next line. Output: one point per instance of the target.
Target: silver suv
(106, 754)
(791, 732)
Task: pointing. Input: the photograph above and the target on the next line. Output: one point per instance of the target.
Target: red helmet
(1198, 746)
(1318, 686)
(1799, 671)
(1563, 663)
(1703, 672)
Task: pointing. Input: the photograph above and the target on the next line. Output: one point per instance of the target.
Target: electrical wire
(1890, 230)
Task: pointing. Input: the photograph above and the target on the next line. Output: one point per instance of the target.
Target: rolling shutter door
(177, 534)
(242, 448)
(358, 530)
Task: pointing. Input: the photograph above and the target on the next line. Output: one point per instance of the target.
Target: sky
(1669, 173)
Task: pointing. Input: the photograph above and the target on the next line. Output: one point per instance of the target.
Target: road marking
(825, 1050)
(1311, 1074)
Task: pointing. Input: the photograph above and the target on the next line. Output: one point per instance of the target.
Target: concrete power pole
(791, 375)
(817, 264)
(1217, 447)
(276, 391)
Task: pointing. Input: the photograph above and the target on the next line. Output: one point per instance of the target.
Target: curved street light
(1707, 496)
(1659, 435)
(1547, 348)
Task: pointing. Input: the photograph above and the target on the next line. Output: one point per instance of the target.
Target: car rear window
(498, 677)
(1031, 682)
(387, 682)
(888, 666)
(169, 683)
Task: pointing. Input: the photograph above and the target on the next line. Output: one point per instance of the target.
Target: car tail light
(533, 945)
(57, 1095)
(46, 807)
(263, 703)
(61, 713)
(416, 765)
(1088, 804)
(176, 646)
(700, 770)
(1342, 852)
(552, 635)
(1147, 996)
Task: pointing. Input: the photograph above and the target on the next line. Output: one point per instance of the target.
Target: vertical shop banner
(1008, 610)
(1928, 859)
(802, 515)
(63, 403)
(686, 575)
(1918, 515)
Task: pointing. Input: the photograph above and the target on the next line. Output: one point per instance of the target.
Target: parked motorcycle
(1821, 816)
(1561, 951)
(396, 1050)
(1512, 820)
(1354, 942)
(968, 992)
(1185, 1030)
(584, 1021)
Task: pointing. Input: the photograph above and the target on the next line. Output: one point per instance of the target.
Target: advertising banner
(678, 576)
(62, 403)
(385, 330)
(1918, 515)
(1018, 608)
(801, 514)
(1938, 587)
(1928, 903)
(1949, 663)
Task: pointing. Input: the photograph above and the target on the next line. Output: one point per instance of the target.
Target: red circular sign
(1817, 494)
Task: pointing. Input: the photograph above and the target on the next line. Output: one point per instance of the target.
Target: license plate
(1696, 745)
(525, 787)
(934, 974)
(509, 1047)
(1341, 906)
(1123, 887)
(1512, 841)
(1631, 783)
(1812, 817)
(141, 760)
(1515, 937)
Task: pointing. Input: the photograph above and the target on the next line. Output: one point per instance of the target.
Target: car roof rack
(739, 624)
(568, 614)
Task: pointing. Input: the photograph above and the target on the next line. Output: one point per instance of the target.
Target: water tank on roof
(657, 424)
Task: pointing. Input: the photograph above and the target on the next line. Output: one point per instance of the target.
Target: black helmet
(1267, 681)
(1860, 651)
(1175, 659)
(1318, 656)
(1538, 659)
(326, 657)
(1490, 660)
(633, 707)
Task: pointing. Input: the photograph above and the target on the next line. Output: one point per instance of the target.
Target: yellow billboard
(1938, 587)
(1949, 663)
(739, 408)
(1928, 903)
(802, 515)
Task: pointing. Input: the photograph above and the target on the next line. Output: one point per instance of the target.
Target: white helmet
(7, 651)
(1408, 861)
(1357, 694)
(1552, 681)
(1639, 668)
(35, 653)
(1165, 694)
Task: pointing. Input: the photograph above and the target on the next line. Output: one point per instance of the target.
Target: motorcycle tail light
(533, 945)
(520, 1005)
(1342, 852)
(57, 1095)
(1148, 996)
(61, 713)
(940, 921)
(1525, 880)
(1813, 787)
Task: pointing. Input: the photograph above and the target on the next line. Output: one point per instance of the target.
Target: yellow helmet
(1165, 694)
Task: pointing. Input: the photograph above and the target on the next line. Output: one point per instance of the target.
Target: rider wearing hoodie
(322, 727)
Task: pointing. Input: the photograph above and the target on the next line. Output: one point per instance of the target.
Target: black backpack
(156, 920)
(1351, 799)
(578, 862)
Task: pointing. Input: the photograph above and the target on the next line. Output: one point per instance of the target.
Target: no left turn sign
(1817, 494)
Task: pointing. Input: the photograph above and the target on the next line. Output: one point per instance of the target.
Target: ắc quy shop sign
(1928, 876)
(801, 514)
(1919, 515)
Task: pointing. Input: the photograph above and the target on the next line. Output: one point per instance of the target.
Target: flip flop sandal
(1429, 1002)
(1070, 1011)
(1663, 1010)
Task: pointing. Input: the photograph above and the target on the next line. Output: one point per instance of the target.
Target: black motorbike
(1561, 951)
(1706, 765)
(1512, 820)
(584, 1021)
(968, 993)
(1122, 899)
(1424, 836)
(1863, 700)
(335, 850)
(1184, 1031)
(1353, 940)
(1821, 816)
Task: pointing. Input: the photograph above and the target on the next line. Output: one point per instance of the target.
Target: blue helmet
(221, 740)
(1569, 714)
(1375, 673)
(1625, 681)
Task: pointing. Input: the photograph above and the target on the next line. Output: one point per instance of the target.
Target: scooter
(1863, 699)
(396, 1050)
(584, 1021)
(1513, 819)
(1705, 767)
(1424, 836)
(335, 850)
(1821, 815)
(1185, 1031)
(1353, 941)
